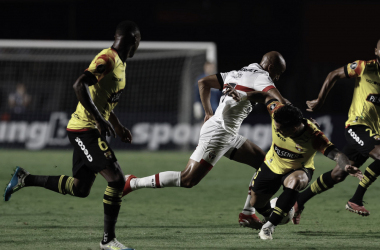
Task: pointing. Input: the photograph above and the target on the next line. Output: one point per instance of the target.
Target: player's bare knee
(339, 176)
(296, 184)
(82, 193)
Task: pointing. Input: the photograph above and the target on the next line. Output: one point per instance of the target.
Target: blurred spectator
(209, 69)
(19, 100)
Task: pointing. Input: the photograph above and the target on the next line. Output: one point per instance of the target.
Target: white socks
(248, 209)
(160, 180)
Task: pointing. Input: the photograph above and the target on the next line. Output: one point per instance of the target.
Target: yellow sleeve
(320, 141)
(101, 65)
(354, 69)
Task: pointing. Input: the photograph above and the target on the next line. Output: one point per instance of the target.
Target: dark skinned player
(98, 90)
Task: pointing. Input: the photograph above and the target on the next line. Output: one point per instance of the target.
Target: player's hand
(315, 122)
(124, 134)
(314, 105)
(105, 127)
(230, 91)
(354, 171)
(206, 118)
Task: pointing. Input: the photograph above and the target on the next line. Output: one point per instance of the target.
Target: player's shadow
(342, 235)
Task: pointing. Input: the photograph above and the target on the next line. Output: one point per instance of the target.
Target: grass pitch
(204, 217)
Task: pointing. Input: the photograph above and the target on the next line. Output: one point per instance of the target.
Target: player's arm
(344, 163)
(330, 81)
(121, 131)
(253, 96)
(205, 84)
(277, 95)
(81, 88)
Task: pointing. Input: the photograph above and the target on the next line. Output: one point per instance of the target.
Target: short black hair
(288, 116)
(126, 28)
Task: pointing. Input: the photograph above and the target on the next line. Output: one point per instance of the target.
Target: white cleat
(114, 245)
(267, 231)
(265, 234)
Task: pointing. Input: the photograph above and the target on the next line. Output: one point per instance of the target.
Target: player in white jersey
(219, 134)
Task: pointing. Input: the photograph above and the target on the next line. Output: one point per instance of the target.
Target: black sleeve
(220, 80)
(329, 149)
(271, 100)
(91, 77)
(345, 70)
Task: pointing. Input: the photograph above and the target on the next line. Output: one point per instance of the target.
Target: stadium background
(314, 37)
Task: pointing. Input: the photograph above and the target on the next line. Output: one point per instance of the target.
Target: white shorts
(214, 142)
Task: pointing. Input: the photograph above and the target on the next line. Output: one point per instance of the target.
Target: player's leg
(355, 204)
(112, 200)
(248, 218)
(78, 185)
(368, 144)
(213, 144)
(293, 183)
(247, 153)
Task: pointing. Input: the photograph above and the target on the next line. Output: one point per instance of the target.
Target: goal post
(36, 79)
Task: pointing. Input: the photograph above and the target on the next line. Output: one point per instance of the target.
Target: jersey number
(102, 145)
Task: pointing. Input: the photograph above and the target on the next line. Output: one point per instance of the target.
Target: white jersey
(230, 114)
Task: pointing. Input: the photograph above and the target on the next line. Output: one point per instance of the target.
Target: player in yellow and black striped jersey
(362, 127)
(289, 161)
(98, 90)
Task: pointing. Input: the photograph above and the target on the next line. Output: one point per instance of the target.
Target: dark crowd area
(315, 37)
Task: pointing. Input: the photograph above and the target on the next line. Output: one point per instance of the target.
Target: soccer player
(362, 131)
(219, 134)
(98, 90)
(289, 161)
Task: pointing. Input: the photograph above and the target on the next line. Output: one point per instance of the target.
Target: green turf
(204, 217)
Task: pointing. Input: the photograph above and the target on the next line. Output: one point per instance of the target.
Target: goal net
(37, 98)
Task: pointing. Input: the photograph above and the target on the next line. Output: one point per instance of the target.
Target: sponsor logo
(83, 147)
(299, 148)
(115, 96)
(374, 98)
(353, 65)
(355, 137)
(282, 138)
(212, 155)
(249, 70)
(284, 153)
(373, 82)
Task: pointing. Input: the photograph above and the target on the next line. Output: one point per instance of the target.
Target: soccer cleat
(354, 208)
(266, 233)
(251, 221)
(114, 245)
(16, 182)
(297, 214)
(127, 187)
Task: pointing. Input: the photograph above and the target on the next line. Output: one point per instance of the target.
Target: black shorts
(91, 150)
(360, 142)
(267, 182)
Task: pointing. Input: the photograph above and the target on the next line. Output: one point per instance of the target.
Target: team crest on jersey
(273, 106)
(212, 155)
(377, 137)
(353, 65)
(299, 148)
(115, 96)
(108, 155)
